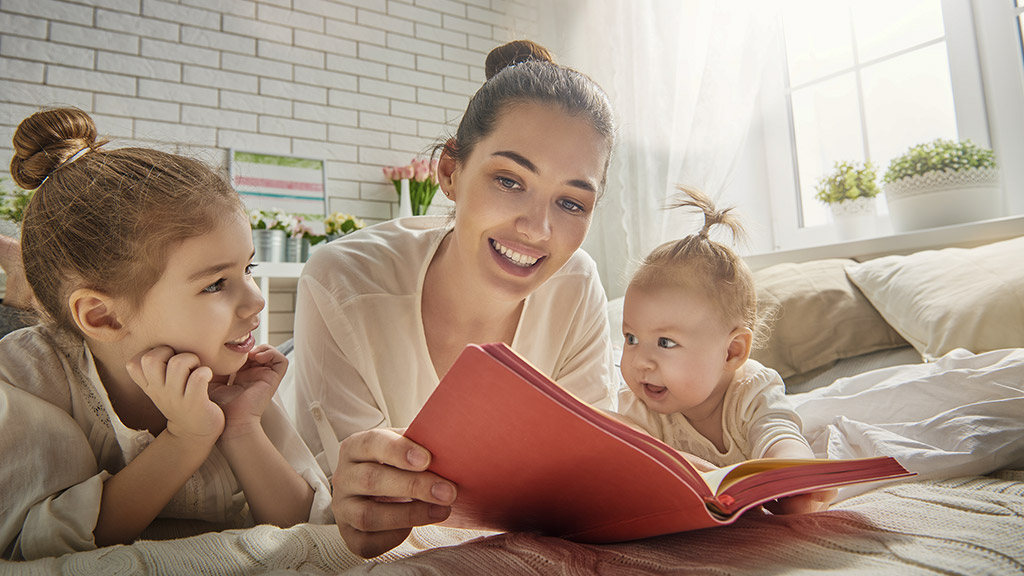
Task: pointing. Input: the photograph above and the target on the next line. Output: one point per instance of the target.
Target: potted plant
(940, 183)
(339, 224)
(301, 238)
(415, 184)
(13, 201)
(850, 191)
(269, 234)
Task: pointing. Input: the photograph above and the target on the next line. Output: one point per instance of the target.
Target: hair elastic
(70, 159)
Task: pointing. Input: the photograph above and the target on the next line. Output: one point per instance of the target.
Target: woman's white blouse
(60, 440)
(360, 349)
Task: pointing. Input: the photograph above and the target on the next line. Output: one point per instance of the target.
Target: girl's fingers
(179, 369)
(149, 366)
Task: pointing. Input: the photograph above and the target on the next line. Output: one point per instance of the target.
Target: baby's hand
(251, 391)
(178, 386)
(803, 503)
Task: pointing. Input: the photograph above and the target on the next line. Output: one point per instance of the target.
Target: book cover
(527, 455)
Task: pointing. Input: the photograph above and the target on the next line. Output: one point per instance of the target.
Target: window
(867, 79)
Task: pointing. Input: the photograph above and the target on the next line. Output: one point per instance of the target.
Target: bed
(920, 354)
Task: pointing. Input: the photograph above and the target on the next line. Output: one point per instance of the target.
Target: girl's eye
(507, 183)
(215, 287)
(630, 339)
(571, 206)
(666, 343)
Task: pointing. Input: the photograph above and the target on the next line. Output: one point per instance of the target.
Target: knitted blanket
(967, 525)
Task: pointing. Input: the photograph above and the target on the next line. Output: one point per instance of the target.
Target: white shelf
(263, 272)
(960, 235)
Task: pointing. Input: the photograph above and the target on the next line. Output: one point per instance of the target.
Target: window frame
(987, 74)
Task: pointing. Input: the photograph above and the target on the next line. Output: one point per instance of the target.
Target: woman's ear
(96, 315)
(446, 169)
(741, 340)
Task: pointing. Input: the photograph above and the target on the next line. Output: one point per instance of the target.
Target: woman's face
(524, 197)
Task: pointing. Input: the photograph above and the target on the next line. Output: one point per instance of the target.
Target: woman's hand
(250, 391)
(803, 503)
(178, 386)
(382, 490)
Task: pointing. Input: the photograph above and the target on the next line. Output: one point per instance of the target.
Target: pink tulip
(422, 169)
(406, 172)
(389, 172)
(433, 170)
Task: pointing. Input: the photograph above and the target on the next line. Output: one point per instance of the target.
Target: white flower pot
(944, 198)
(269, 245)
(854, 218)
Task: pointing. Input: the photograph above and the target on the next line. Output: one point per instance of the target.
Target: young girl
(689, 318)
(142, 395)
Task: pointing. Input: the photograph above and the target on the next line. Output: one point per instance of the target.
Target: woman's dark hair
(522, 72)
(105, 219)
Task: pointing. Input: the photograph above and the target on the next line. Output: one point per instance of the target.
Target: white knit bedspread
(969, 525)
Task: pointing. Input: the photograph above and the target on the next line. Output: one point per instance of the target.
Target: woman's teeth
(515, 257)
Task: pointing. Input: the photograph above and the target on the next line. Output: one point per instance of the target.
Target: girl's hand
(382, 490)
(178, 386)
(250, 391)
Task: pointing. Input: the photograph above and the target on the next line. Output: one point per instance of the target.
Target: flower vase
(404, 200)
(269, 245)
(854, 218)
(296, 249)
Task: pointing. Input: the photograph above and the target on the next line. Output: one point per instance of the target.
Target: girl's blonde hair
(105, 219)
(698, 263)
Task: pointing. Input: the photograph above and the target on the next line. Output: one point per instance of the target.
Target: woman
(383, 313)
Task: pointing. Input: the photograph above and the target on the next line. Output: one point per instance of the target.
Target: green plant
(13, 202)
(939, 155)
(848, 181)
(340, 223)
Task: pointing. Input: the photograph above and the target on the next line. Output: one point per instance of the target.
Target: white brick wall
(361, 83)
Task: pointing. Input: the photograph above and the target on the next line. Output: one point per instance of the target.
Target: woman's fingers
(382, 490)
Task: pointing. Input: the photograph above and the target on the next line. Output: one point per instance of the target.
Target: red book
(528, 456)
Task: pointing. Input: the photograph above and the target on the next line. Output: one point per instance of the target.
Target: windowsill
(961, 235)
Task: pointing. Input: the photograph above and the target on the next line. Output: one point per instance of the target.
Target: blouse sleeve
(589, 371)
(52, 486)
(286, 439)
(323, 371)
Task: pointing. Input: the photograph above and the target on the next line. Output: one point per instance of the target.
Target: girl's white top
(360, 349)
(60, 439)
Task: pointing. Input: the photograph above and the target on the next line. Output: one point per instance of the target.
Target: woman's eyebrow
(522, 161)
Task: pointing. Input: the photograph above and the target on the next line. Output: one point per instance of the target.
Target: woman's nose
(535, 221)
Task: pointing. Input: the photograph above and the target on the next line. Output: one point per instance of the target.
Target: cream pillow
(951, 298)
(819, 317)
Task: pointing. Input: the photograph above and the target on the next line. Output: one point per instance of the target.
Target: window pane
(826, 125)
(907, 101)
(884, 27)
(817, 39)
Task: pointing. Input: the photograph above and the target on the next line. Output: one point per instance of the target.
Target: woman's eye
(248, 269)
(507, 183)
(215, 287)
(630, 339)
(666, 343)
(571, 206)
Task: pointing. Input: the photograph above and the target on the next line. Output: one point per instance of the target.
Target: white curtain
(683, 78)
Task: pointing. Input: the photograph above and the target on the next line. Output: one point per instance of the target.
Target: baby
(689, 319)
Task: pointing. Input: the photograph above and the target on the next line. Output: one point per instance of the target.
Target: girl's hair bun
(513, 53)
(46, 140)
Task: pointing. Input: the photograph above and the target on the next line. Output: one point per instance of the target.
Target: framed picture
(289, 183)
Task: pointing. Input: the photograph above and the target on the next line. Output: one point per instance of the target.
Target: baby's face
(675, 350)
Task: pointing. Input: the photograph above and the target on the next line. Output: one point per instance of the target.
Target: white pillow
(939, 300)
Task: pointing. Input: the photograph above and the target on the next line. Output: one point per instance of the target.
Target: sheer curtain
(683, 78)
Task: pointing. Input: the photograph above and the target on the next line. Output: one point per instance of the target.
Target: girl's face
(675, 350)
(524, 198)
(206, 302)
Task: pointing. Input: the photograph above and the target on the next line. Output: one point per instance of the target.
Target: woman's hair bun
(514, 52)
(47, 139)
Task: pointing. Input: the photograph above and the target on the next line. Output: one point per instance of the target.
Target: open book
(528, 456)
